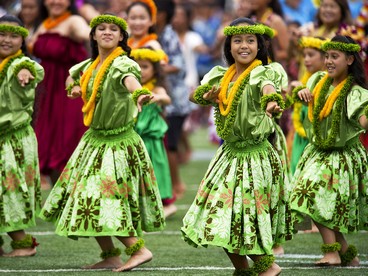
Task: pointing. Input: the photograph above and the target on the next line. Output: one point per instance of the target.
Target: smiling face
(330, 12)
(337, 64)
(107, 36)
(10, 43)
(314, 60)
(244, 49)
(56, 8)
(29, 11)
(139, 21)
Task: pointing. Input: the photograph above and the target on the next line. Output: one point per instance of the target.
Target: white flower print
(344, 183)
(238, 201)
(111, 213)
(325, 200)
(91, 189)
(13, 207)
(107, 166)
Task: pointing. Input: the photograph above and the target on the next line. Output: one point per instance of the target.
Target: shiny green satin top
(349, 128)
(251, 124)
(16, 102)
(115, 108)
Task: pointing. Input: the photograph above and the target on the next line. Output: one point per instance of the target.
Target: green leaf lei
(110, 253)
(138, 92)
(330, 247)
(223, 128)
(295, 92)
(25, 65)
(263, 264)
(19, 30)
(250, 29)
(71, 85)
(198, 94)
(349, 255)
(135, 247)
(336, 113)
(6, 67)
(274, 97)
(366, 111)
(340, 46)
(110, 19)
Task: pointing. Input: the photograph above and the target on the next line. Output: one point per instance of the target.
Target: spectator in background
(59, 43)
(302, 11)
(179, 108)
(30, 15)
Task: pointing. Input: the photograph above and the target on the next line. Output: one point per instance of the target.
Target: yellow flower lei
(5, 61)
(90, 103)
(150, 85)
(326, 110)
(230, 73)
(297, 122)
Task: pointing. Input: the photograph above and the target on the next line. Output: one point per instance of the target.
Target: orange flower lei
(326, 110)
(50, 23)
(90, 103)
(230, 73)
(142, 42)
(152, 6)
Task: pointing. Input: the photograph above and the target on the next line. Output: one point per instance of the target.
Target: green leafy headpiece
(110, 19)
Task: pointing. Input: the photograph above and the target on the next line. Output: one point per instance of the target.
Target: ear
(121, 37)
(350, 59)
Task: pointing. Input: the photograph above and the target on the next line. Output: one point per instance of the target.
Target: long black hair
(262, 49)
(14, 19)
(123, 43)
(357, 67)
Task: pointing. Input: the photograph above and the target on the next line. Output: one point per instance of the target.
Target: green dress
(108, 187)
(152, 127)
(241, 204)
(20, 192)
(331, 186)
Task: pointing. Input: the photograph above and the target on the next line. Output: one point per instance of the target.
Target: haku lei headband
(19, 30)
(249, 29)
(152, 6)
(149, 54)
(340, 46)
(110, 19)
(270, 32)
(311, 42)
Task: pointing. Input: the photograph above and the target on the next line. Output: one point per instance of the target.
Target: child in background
(20, 193)
(241, 205)
(313, 58)
(108, 188)
(331, 179)
(151, 125)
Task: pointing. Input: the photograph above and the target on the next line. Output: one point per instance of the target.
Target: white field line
(186, 268)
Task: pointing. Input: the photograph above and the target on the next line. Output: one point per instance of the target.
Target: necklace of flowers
(223, 127)
(91, 98)
(50, 23)
(150, 85)
(267, 14)
(227, 98)
(4, 65)
(296, 117)
(132, 43)
(323, 108)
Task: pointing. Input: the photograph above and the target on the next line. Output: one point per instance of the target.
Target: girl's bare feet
(140, 257)
(22, 252)
(354, 262)
(329, 259)
(272, 271)
(111, 262)
(169, 210)
(179, 190)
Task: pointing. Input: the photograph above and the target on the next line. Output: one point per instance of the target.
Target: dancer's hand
(305, 95)
(24, 77)
(142, 100)
(75, 92)
(272, 107)
(212, 95)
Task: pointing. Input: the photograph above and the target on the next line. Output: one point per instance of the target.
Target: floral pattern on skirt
(242, 203)
(20, 192)
(332, 187)
(108, 188)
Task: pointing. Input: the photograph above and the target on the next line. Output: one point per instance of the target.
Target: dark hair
(346, 17)
(38, 20)
(262, 51)
(357, 67)
(188, 10)
(44, 12)
(151, 29)
(166, 6)
(123, 44)
(14, 19)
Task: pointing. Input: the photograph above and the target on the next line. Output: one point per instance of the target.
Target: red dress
(58, 121)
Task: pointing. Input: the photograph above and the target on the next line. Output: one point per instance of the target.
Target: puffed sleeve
(314, 79)
(357, 100)
(280, 77)
(214, 76)
(262, 76)
(77, 70)
(123, 67)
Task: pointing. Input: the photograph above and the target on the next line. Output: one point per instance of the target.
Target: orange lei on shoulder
(227, 98)
(132, 43)
(326, 110)
(50, 23)
(90, 104)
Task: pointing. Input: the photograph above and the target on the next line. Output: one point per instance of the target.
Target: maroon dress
(58, 121)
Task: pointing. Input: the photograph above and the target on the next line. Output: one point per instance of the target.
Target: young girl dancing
(240, 205)
(314, 61)
(331, 180)
(108, 188)
(151, 125)
(20, 191)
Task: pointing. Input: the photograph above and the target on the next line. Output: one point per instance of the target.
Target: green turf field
(60, 256)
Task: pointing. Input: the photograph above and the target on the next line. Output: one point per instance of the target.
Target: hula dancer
(241, 205)
(20, 191)
(331, 179)
(108, 188)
